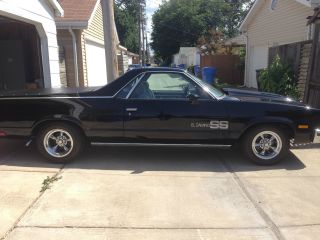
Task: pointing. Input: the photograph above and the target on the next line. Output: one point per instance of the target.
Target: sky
(152, 6)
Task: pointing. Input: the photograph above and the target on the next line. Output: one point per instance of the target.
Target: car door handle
(132, 109)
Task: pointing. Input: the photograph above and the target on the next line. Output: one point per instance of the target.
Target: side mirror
(193, 98)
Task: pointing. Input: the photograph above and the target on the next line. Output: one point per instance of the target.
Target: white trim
(46, 29)
(59, 12)
(72, 24)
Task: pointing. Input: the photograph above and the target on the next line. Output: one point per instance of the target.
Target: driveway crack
(30, 206)
(270, 223)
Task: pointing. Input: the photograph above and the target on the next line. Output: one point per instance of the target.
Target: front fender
(270, 120)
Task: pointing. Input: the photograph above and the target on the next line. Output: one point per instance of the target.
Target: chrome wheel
(266, 145)
(58, 143)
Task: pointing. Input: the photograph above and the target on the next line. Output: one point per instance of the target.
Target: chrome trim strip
(54, 97)
(132, 109)
(184, 73)
(135, 85)
(161, 144)
(202, 86)
(127, 84)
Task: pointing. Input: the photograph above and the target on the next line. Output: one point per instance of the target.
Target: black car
(158, 106)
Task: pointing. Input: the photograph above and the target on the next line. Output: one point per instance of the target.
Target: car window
(208, 87)
(167, 86)
(126, 90)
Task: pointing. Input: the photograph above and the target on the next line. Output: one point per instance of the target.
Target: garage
(28, 45)
(96, 64)
(20, 58)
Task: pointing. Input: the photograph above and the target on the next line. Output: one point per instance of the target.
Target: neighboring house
(125, 59)
(236, 41)
(133, 58)
(28, 44)
(187, 56)
(272, 23)
(81, 43)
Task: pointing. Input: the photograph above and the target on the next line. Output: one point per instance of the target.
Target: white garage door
(96, 64)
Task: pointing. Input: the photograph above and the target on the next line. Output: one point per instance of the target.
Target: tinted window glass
(209, 88)
(126, 90)
(167, 86)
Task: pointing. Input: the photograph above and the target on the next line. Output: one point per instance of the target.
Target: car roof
(113, 87)
(161, 69)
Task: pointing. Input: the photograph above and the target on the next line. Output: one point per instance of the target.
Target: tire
(60, 142)
(266, 145)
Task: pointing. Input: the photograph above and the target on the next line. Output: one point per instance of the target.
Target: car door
(171, 107)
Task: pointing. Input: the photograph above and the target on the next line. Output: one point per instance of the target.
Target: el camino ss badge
(223, 125)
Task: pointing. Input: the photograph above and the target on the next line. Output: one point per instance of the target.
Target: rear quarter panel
(97, 117)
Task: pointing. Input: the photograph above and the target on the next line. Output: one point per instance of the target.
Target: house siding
(286, 24)
(94, 33)
(95, 29)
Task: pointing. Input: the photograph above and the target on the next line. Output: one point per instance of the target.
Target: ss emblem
(223, 125)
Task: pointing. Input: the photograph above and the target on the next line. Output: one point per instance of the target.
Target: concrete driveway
(158, 193)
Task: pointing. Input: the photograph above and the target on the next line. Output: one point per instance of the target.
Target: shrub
(279, 78)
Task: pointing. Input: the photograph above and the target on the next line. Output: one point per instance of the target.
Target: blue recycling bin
(182, 66)
(197, 70)
(209, 74)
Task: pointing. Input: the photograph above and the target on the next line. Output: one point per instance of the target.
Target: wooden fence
(298, 56)
(228, 68)
(312, 95)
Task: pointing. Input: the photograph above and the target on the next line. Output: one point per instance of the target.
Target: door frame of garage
(43, 44)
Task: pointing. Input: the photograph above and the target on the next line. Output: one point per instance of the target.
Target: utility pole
(139, 21)
(147, 50)
(110, 40)
(143, 28)
(142, 24)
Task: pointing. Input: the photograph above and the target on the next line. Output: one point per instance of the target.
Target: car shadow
(146, 158)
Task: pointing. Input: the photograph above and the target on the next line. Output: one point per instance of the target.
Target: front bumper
(316, 138)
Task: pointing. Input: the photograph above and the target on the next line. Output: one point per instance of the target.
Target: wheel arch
(56, 119)
(285, 124)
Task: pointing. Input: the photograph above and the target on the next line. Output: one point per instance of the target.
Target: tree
(235, 12)
(126, 18)
(180, 23)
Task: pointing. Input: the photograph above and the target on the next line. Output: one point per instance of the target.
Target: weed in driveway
(46, 184)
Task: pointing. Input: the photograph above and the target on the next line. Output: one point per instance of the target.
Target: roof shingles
(76, 10)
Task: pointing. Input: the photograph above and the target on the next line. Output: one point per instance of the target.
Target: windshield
(207, 87)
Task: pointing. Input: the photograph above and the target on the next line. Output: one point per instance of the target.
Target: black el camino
(158, 106)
